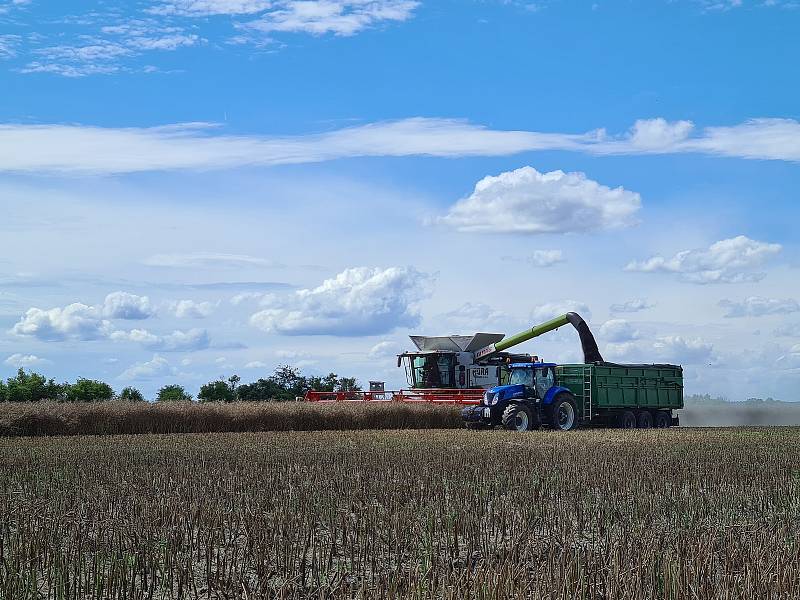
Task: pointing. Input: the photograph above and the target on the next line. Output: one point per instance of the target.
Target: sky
(196, 188)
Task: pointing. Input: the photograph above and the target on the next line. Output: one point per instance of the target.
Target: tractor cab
(536, 378)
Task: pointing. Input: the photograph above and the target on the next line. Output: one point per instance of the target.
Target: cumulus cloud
(732, 260)
(527, 201)
(550, 310)
(194, 146)
(631, 306)
(76, 321)
(618, 331)
(546, 258)
(677, 349)
(357, 301)
(756, 306)
(189, 309)
(154, 368)
(659, 134)
(178, 341)
(206, 260)
(19, 361)
(122, 305)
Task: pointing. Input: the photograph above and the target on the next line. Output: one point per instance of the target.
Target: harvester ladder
(587, 394)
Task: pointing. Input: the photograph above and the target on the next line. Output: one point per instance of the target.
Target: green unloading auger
(591, 354)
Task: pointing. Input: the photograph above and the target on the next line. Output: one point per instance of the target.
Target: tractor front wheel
(518, 417)
(564, 413)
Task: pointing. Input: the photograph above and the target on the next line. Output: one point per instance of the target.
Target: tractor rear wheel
(517, 417)
(644, 420)
(662, 420)
(627, 420)
(564, 413)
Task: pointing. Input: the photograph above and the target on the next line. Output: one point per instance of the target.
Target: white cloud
(631, 306)
(339, 17)
(205, 8)
(756, 306)
(178, 341)
(261, 297)
(358, 301)
(122, 305)
(550, 310)
(189, 309)
(471, 317)
(208, 260)
(256, 364)
(659, 134)
(25, 360)
(546, 258)
(677, 349)
(191, 146)
(727, 261)
(76, 321)
(8, 44)
(383, 349)
(618, 331)
(527, 201)
(788, 330)
(154, 368)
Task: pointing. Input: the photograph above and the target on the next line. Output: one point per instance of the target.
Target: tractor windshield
(521, 376)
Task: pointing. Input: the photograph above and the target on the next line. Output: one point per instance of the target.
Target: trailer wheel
(644, 420)
(662, 420)
(517, 417)
(627, 420)
(564, 413)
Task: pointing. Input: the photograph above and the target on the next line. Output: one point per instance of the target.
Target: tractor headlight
(491, 399)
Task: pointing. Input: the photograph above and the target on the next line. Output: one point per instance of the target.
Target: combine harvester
(520, 393)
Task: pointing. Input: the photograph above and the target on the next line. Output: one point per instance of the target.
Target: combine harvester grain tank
(517, 391)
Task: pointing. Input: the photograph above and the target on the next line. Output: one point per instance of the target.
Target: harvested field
(403, 514)
(113, 418)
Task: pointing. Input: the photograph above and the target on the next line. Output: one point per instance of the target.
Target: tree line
(286, 383)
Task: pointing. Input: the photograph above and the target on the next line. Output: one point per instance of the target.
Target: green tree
(173, 393)
(131, 394)
(32, 387)
(3, 391)
(88, 390)
(262, 390)
(217, 391)
(348, 384)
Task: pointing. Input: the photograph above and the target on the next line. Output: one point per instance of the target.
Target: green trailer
(624, 395)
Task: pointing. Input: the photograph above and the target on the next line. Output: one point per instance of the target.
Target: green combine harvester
(522, 393)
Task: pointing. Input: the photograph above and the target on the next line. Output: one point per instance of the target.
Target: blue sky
(193, 188)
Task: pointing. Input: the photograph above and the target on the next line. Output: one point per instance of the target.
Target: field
(403, 514)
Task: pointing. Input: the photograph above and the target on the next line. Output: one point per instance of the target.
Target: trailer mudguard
(552, 393)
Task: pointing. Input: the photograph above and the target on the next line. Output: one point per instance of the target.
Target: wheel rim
(566, 416)
(521, 421)
(629, 422)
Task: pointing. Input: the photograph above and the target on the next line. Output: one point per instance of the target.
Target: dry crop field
(403, 514)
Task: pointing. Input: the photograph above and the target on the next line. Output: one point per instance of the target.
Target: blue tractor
(530, 399)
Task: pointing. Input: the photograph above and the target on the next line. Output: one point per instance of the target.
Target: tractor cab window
(522, 376)
(545, 379)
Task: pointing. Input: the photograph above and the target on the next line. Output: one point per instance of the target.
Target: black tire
(644, 420)
(564, 413)
(662, 420)
(517, 417)
(627, 420)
